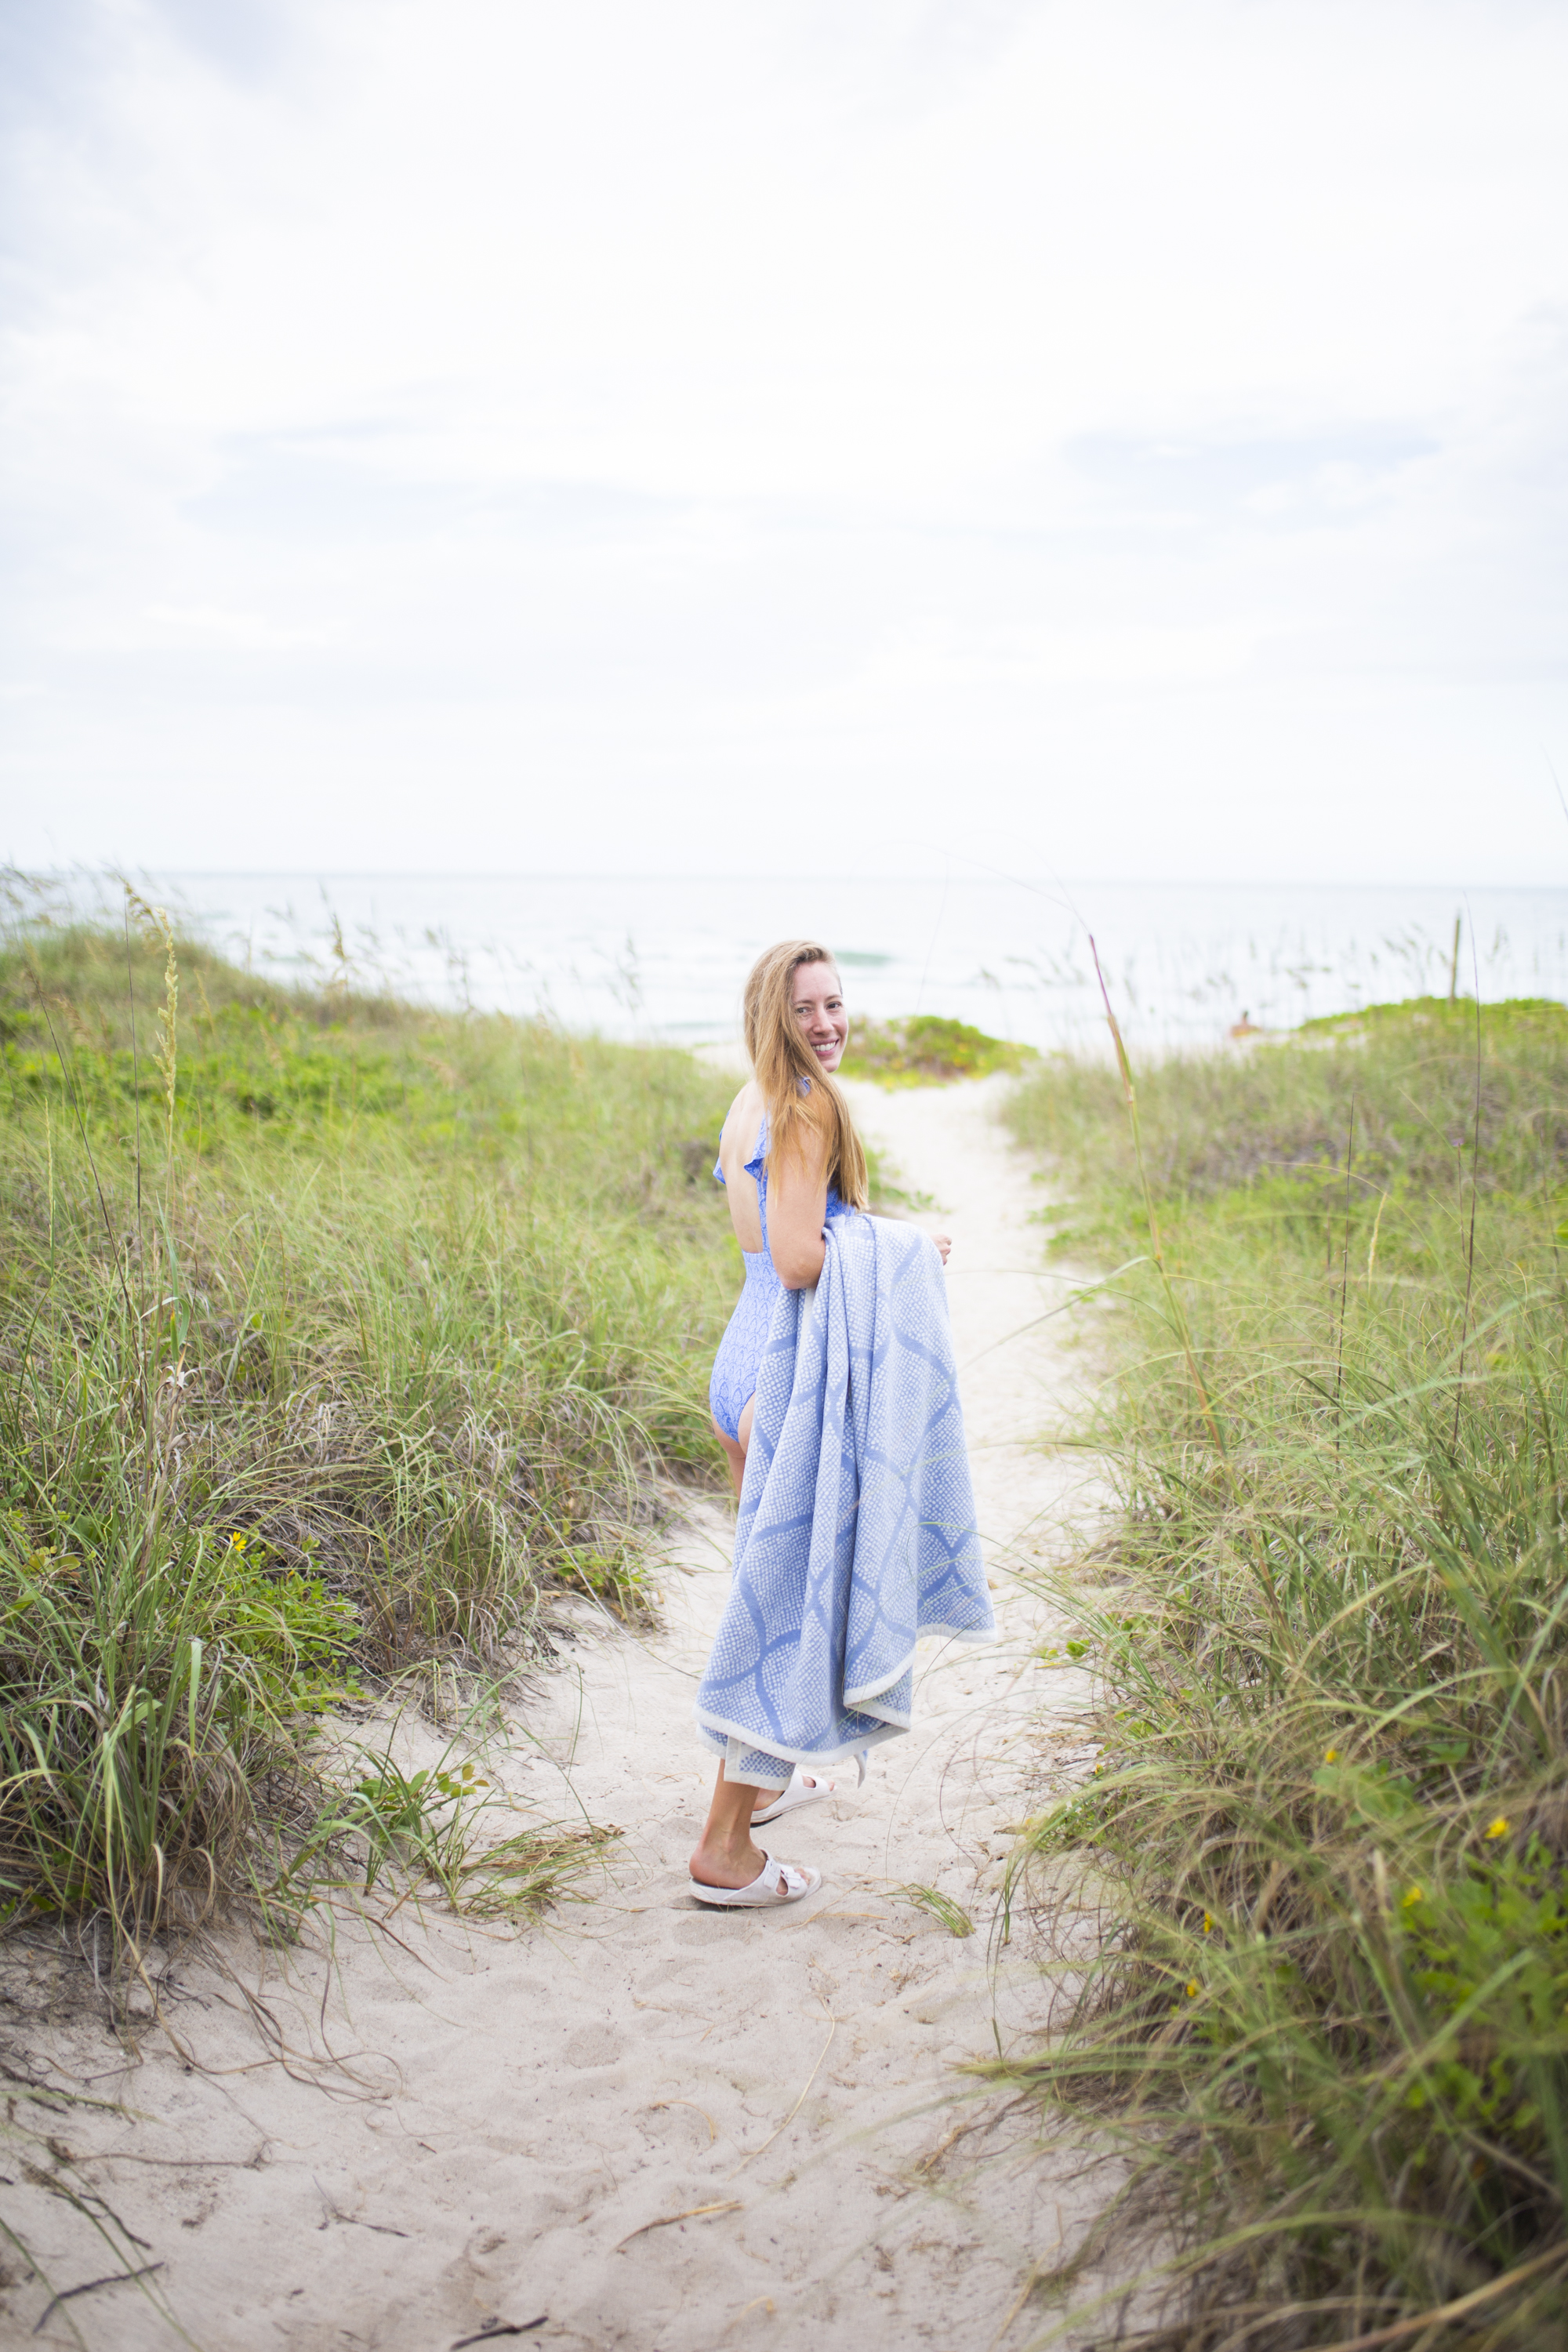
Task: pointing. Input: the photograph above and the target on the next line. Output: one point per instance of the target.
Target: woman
(796, 1173)
(789, 1161)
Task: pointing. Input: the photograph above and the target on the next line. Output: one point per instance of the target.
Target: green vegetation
(1325, 1840)
(943, 1909)
(333, 1333)
(424, 1823)
(926, 1049)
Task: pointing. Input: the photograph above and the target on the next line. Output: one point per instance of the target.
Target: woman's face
(819, 1008)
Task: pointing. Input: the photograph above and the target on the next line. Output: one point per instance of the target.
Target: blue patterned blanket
(856, 1527)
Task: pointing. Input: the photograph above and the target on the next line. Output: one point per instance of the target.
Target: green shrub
(927, 1049)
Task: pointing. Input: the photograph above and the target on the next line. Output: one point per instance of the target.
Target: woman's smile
(820, 1010)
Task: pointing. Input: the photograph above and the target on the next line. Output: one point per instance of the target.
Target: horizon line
(753, 874)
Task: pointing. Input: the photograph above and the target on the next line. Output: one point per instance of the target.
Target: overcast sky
(1096, 437)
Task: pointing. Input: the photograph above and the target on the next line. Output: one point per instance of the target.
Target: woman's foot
(776, 1883)
(726, 1862)
(801, 1789)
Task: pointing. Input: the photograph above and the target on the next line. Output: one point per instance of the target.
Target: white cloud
(1133, 432)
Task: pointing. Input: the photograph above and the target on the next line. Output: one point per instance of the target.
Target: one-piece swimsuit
(740, 1357)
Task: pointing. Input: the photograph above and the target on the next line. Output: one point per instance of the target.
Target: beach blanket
(857, 1529)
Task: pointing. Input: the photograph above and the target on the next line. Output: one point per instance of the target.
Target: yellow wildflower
(1208, 1924)
(1330, 1755)
(1415, 1895)
(1191, 1987)
(1499, 1828)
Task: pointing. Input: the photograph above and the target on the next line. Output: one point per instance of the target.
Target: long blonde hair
(782, 1059)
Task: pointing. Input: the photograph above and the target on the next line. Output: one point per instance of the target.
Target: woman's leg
(726, 1856)
(735, 1455)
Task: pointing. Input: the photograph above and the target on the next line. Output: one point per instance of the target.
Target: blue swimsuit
(740, 1357)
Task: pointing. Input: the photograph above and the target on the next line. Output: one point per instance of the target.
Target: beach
(640, 2123)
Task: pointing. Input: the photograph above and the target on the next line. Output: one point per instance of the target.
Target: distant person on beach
(794, 1172)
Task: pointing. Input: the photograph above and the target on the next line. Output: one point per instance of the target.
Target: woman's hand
(943, 1245)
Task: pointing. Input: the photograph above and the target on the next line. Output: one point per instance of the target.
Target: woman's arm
(797, 1208)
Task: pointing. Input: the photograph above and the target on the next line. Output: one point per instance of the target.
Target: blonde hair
(782, 1059)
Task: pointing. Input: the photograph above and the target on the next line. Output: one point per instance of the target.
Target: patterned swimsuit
(734, 1381)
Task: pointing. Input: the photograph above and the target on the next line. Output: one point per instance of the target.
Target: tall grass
(333, 1336)
(1326, 1835)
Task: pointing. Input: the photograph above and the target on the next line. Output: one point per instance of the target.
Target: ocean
(665, 958)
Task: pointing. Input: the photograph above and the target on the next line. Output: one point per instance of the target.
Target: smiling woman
(789, 1126)
(834, 1578)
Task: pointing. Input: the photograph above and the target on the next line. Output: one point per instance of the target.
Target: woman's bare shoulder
(746, 1107)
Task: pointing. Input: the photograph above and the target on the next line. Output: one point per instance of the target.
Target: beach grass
(1324, 1840)
(927, 1049)
(335, 1334)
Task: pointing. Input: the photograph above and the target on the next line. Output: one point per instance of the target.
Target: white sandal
(797, 1793)
(776, 1883)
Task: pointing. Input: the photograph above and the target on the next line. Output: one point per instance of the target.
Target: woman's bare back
(736, 1146)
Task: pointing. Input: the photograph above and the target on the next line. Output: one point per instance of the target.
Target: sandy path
(525, 2107)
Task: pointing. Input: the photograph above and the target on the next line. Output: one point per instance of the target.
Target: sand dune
(642, 2125)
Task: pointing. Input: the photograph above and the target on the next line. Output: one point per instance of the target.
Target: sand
(642, 2124)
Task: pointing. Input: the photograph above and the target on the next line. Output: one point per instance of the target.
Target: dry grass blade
(754, 2152)
(501, 2327)
(91, 2287)
(1460, 2308)
(659, 2104)
(691, 2213)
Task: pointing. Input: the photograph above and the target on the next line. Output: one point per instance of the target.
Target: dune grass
(926, 1049)
(334, 1334)
(1325, 1838)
